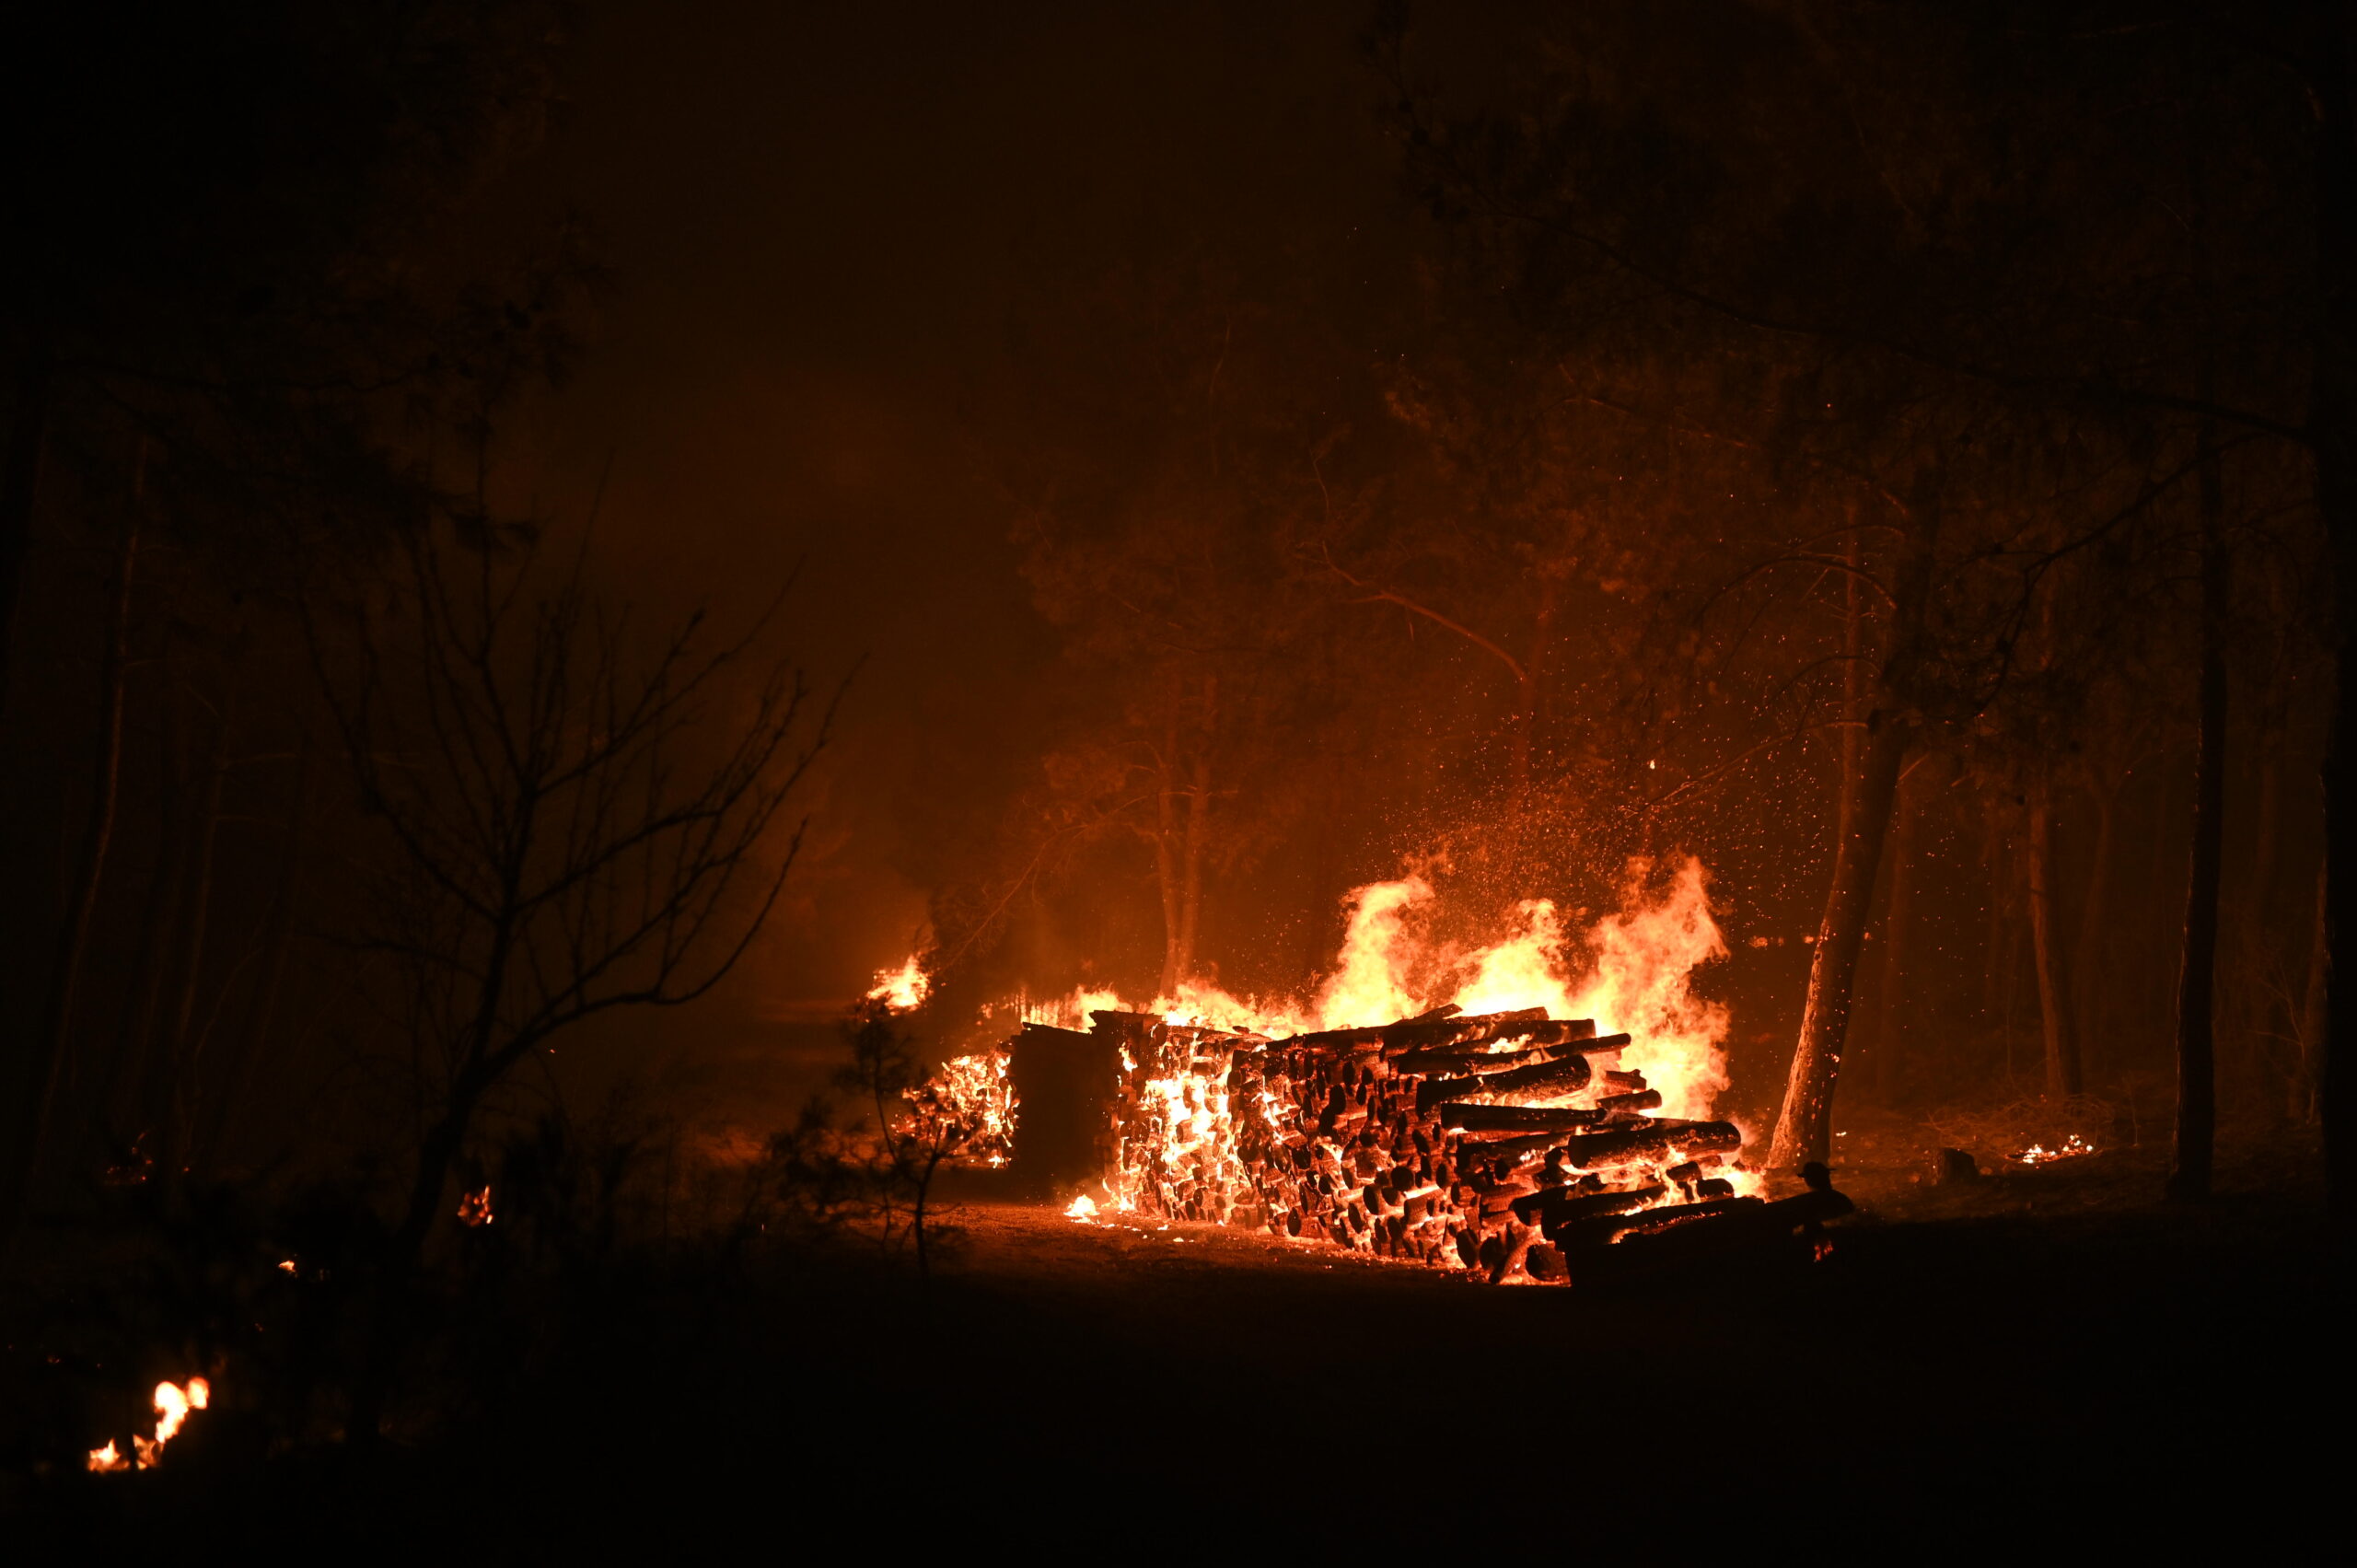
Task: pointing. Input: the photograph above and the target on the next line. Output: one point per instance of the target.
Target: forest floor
(2046, 1353)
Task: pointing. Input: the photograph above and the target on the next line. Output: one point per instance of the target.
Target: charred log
(1604, 1151)
(1611, 1229)
(1461, 1118)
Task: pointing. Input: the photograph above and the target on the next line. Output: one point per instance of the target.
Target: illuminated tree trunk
(2085, 960)
(1199, 810)
(2062, 1071)
(1804, 1130)
(1996, 946)
(2197, 1072)
(2312, 1022)
(1179, 845)
(1527, 699)
(1853, 677)
(1884, 1066)
(1166, 850)
(2261, 993)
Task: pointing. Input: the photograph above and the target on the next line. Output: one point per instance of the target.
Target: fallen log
(1461, 1118)
(1565, 1205)
(1455, 1063)
(1604, 1151)
(1788, 1228)
(1475, 1032)
(1643, 1099)
(1568, 1076)
(1604, 1231)
(1563, 1076)
(1506, 1153)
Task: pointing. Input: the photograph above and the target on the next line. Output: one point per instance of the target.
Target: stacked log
(1505, 1143)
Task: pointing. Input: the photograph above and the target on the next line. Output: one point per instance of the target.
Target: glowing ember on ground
(173, 1402)
(902, 989)
(474, 1208)
(2069, 1148)
(1082, 1207)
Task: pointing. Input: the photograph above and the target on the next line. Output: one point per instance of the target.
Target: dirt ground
(2041, 1357)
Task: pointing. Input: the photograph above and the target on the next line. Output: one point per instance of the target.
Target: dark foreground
(2041, 1357)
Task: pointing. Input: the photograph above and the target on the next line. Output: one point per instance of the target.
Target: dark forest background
(1142, 473)
(1239, 456)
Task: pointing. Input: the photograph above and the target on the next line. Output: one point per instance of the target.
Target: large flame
(1371, 982)
(902, 989)
(1642, 964)
(1632, 970)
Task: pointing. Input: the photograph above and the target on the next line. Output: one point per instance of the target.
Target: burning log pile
(967, 1111)
(1505, 1141)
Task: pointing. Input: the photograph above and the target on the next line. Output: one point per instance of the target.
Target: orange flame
(173, 1401)
(1371, 979)
(1202, 1107)
(967, 1109)
(1631, 973)
(902, 989)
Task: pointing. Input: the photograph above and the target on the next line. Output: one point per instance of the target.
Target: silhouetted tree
(565, 828)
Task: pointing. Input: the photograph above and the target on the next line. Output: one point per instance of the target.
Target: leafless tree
(565, 831)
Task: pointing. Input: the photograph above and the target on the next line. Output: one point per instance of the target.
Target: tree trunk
(22, 1160)
(2196, 1088)
(1803, 1131)
(125, 1062)
(1199, 812)
(169, 1103)
(1527, 696)
(1165, 846)
(1853, 683)
(388, 1336)
(2258, 978)
(252, 1049)
(1996, 948)
(1884, 1064)
(2085, 960)
(2312, 1023)
(2063, 1074)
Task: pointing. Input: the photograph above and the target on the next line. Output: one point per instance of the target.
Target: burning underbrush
(1506, 1107)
